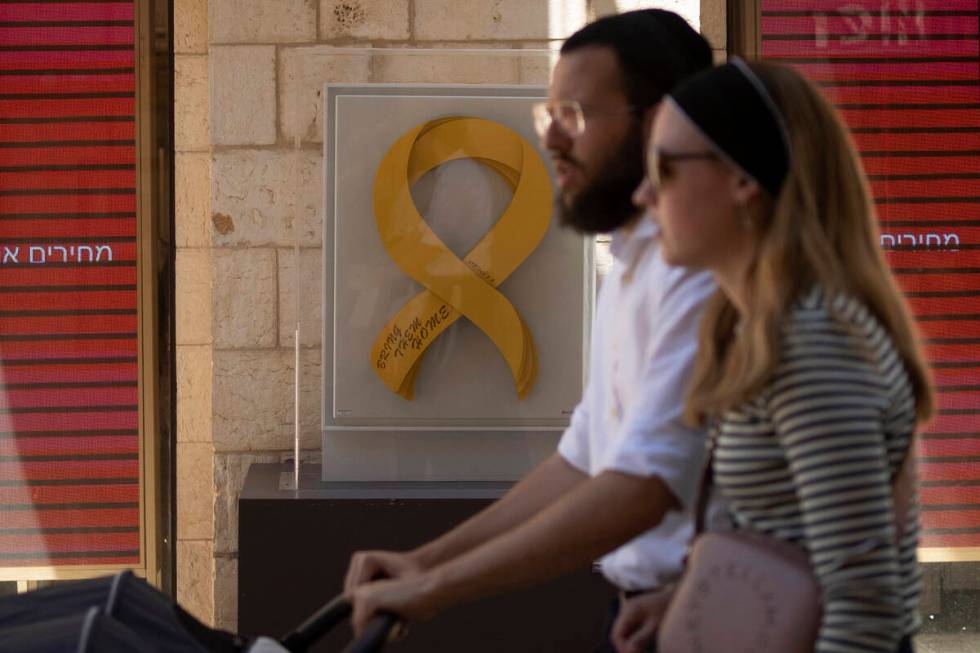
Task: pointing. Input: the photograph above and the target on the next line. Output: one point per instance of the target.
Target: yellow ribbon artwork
(454, 287)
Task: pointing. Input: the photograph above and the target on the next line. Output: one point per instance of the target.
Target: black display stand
(294, 547)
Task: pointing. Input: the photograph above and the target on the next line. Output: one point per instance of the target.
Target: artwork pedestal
(294, 547)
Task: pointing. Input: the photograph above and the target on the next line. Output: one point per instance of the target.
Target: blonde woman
(809, 367)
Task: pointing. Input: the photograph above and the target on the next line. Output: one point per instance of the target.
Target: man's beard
(606, 202)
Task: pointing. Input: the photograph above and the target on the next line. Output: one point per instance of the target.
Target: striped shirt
(811, 459)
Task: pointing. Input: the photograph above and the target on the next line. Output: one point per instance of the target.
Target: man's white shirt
(644, 339)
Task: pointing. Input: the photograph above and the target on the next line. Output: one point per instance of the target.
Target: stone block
(714, 22)
(364, 19)
(195, 491)
(191, 103)
(302, 73)
(254, 400)
(449, 68)
(536, 66)
(195, 578)
(262, 21)
(190, 26)
(310, 401)
(690, 10)
(499, 20)
(226, 593)
(244, 298)
(194, 393)
(259, 196)
(310, 284)
(565, 17)
(243, 94)
(193, 296)
(229, 478)
(192, 199)
(306, 457)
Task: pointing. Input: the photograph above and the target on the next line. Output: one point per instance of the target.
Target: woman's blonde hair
(821, 229)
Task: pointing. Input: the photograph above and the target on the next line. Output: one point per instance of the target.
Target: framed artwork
(455, 304)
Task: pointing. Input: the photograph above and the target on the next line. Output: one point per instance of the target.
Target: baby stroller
(123, 614)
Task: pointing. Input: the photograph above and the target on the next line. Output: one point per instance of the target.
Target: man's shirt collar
(627, 241)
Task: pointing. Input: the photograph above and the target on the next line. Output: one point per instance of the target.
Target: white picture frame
(464, 393)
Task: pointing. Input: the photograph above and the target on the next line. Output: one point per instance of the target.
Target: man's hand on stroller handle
(367, 566)
(410, 598)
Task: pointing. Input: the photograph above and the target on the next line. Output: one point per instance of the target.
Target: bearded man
(623, 481)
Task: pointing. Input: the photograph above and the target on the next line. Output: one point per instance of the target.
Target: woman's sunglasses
(660, 163)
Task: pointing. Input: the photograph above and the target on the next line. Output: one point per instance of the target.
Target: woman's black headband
(730, 106)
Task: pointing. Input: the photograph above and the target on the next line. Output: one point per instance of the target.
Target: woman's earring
(745, 217)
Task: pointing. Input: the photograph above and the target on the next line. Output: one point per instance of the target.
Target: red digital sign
(905, 74)
(69, 438)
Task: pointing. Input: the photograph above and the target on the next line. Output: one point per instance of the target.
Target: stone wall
(195, 452)
(248, 77)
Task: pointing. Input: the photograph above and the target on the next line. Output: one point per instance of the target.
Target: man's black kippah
(730, 106)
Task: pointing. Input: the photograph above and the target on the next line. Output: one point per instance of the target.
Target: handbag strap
(903, 487)
(704, 493)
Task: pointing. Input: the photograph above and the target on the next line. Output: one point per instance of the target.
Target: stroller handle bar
(326, 618)
(375, 634)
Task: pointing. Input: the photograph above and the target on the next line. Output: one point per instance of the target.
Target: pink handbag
(746, 592)
(743, 592)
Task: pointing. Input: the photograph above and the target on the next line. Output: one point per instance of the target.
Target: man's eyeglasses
(569, 115)
(660, 163)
